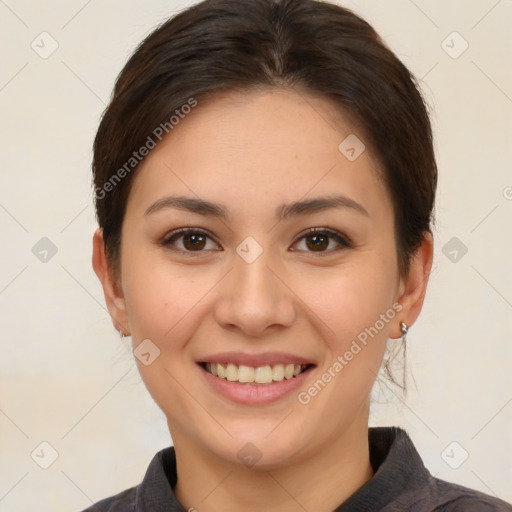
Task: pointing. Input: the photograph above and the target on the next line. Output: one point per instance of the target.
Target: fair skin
(304, 300)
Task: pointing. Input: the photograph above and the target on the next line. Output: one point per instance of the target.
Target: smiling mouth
(264, 375)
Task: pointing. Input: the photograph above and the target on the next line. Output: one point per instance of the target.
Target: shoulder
(154, 492)
(402, 483)
(121, 502)
(456, 498)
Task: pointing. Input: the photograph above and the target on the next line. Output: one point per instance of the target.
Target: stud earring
(122, 334)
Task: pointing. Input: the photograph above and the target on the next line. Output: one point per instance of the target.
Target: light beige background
(67, 379)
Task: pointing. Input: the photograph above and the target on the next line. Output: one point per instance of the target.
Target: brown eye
(320, 242)
(194, 242)
(324, 241)
(189, 240)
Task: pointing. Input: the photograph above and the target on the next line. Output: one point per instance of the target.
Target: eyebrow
(285, 211)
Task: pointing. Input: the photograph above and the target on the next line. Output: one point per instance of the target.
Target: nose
(254, 299)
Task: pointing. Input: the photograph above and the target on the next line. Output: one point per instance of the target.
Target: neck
(321, 482)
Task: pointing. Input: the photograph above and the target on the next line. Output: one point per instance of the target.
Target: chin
(253, 450)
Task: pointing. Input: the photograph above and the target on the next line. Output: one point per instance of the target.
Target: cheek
(349, 303)
(161, 298)
(349, 299)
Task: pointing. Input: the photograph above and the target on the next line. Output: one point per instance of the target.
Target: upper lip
(255, 360)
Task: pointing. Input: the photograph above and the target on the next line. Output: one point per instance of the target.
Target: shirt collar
(397, 465)
(399, 472)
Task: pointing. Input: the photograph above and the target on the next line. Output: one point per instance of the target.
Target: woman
(265, 180)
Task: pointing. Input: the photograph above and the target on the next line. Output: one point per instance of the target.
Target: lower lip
(256, 393)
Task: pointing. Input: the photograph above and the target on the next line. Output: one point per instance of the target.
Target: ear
(413, 287)
(112, 290)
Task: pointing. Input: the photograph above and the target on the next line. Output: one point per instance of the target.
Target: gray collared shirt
(401, 483)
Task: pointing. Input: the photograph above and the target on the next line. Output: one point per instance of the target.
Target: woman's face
(251, 285)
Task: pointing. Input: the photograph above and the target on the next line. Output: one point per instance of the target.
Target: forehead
(261, 146)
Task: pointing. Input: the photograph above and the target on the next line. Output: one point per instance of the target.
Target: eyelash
(343, 241)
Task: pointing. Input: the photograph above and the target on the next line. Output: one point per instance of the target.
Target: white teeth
(263, 374)
(245, 373)
(260, 375)
(278, 372)
(231, 372)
